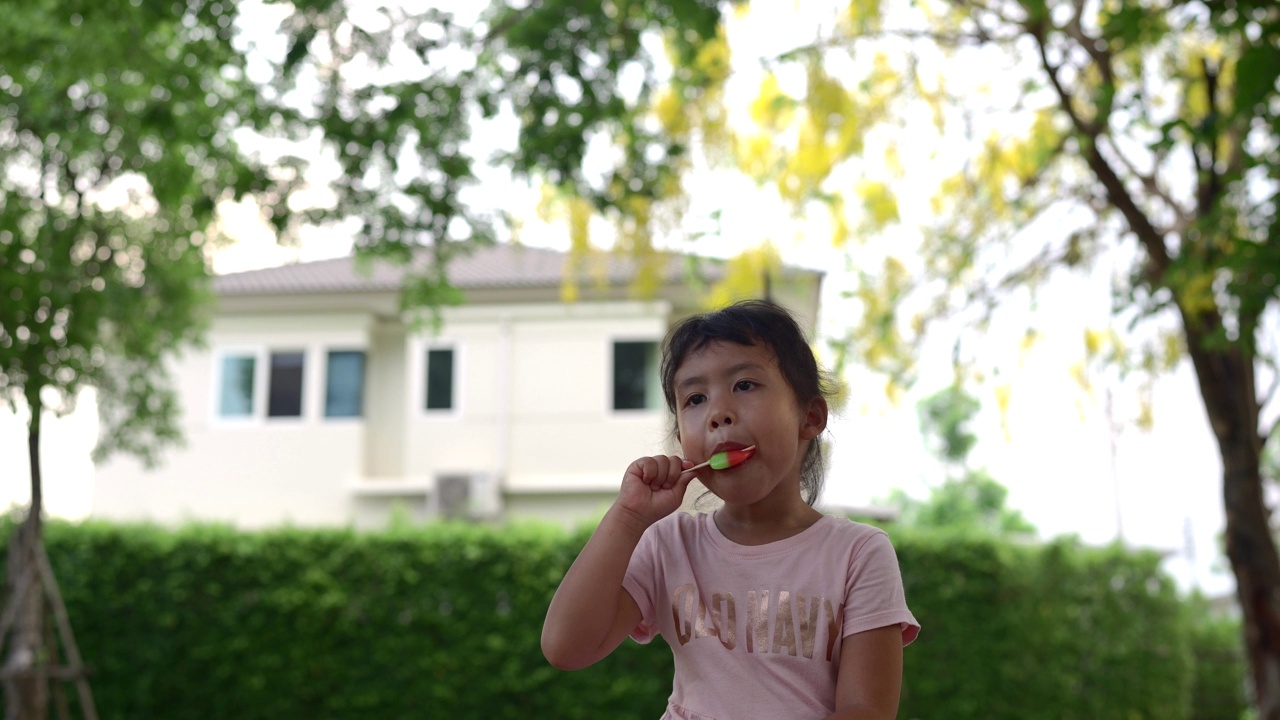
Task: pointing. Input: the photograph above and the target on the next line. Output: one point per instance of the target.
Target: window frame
(611, 377)
(304, 379)
(314, 376)
(421, 380)
(257, 402)
(322, 412)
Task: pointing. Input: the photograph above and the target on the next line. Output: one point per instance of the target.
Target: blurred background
(1035, 242)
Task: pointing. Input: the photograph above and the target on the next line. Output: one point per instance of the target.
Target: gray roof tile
(496, 266)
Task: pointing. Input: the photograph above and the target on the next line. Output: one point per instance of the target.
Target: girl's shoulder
(841, 531)
(849, 527)
(843, 541)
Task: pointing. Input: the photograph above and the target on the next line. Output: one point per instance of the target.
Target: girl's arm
(869, 682)
(591, 613)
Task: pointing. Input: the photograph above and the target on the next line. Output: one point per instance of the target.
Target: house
(317, 401)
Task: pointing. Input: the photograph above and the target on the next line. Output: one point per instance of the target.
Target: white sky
(1053, 453)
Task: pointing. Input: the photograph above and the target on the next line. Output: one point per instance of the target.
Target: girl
(772, 609)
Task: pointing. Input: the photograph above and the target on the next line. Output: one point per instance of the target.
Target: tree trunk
(1254, 561)
(25, 669)
(1226, 379)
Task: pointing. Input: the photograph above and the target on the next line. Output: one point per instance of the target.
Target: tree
(969, 499)
(115, 146)
(402, 91)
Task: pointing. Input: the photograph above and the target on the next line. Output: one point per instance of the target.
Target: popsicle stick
(748, 450)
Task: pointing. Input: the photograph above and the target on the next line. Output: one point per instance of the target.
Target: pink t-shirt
(756, 629)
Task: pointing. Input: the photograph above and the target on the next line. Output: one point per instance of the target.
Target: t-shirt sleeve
(639, 582)
(874, 596)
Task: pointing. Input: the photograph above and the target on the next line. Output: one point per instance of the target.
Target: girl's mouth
(726, 459)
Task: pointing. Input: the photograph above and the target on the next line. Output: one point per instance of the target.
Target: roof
(494, 266)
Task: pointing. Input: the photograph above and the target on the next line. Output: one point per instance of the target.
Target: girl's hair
(763, 323)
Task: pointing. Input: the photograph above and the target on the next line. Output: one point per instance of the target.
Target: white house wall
(532, 418)
(385, 413)
(251, 472)
(533, 396)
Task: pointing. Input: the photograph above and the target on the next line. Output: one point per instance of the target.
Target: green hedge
(209, 623)
(444, 621)
(1219, 690)
(1055, 631)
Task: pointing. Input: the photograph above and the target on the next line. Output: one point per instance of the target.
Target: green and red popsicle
(726, 459)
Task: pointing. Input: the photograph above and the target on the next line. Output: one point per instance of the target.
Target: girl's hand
(653, 487)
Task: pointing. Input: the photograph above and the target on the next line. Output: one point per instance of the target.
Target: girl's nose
(721, 418)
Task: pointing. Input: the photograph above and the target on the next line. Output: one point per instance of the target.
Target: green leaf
(1256, 75)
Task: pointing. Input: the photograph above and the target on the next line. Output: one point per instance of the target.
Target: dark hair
(769, 325)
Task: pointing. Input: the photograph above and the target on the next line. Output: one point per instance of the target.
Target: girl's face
(731, 396)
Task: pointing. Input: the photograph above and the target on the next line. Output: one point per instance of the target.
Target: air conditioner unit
(467, 496)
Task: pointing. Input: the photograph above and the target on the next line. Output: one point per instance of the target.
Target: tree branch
(948, 40)
(1266, 400)
(1101, 57)
(1210, 182)
(1065, 100)
(1150, 238)
(958, 39)
(1152, 185)
(508, 22)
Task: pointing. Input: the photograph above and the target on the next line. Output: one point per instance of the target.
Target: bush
(1219, 688)
(1057, 630)
(444, 621)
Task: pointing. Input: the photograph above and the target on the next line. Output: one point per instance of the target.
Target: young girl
(772, 609)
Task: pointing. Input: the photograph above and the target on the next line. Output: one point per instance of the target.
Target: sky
(1069, 468)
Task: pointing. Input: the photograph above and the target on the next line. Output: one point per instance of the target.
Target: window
(284, 385)
(344, 384)
(635, 376)
(257, 382)
(439, 379)
(235, 398)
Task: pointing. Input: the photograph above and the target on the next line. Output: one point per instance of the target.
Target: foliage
(1091, 633)
(1054, 171)
(944, 420)
(207, 621)
(975, 503)
(405, 95)
(116, 143)
(968, 500)
(121, 132)
(1220, 691)
(210, 622)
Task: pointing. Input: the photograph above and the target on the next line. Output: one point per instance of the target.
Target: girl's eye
(695, 399)
(743, 385)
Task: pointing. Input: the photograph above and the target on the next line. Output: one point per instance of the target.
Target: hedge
(444, 621)
(1055, 631)
(1219, 689)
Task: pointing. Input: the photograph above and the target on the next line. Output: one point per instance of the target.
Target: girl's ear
(815, 418)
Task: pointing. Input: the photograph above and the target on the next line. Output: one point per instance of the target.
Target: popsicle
(726, 459)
